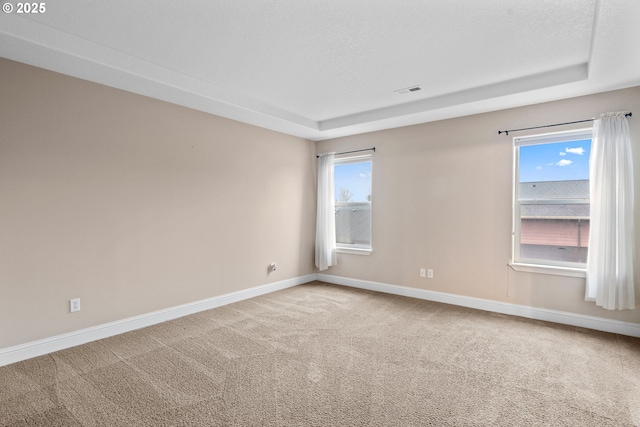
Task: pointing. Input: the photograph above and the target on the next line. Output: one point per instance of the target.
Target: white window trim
(354, 249)
(346, 159)
(549, 269)
(533, 265)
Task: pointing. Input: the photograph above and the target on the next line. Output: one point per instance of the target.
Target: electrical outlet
(429, 274)
(74, 305)
(423, 272)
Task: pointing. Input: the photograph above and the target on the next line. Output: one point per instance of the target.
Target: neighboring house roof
(555, 211)
(575, 189)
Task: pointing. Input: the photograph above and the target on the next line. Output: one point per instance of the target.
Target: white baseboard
(60, 342)
(555, 316)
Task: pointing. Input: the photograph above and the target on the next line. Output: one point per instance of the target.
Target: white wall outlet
(429, 274)
(272, 266)
(74, 304)
(423, 272)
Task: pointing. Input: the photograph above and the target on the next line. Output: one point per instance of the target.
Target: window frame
(358, 249)
(535, 265)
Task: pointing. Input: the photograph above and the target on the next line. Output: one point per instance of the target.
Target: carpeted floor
(323, 355)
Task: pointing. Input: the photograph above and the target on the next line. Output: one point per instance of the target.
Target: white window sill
(354, 251)
(549, 269)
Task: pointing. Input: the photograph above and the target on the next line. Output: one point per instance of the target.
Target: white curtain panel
(326, 214)
(610, 262)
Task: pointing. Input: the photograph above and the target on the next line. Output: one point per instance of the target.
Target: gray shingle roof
(575, 189)
(555, 211)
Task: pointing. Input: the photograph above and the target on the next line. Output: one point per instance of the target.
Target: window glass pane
(561, 161)
(352, 182)
(353, 223)
(554, 232)
(553, 202)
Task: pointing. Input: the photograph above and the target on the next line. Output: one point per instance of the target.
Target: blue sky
(555, 162)
(355, 177)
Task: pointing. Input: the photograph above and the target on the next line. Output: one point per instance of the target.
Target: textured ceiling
(320, 69)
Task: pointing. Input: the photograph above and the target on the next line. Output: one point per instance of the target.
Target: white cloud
(538, 168)
(577, 150)
(564, 162)
(562, 153)
(361, 175)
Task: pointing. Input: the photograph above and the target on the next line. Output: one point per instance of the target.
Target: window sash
(517, 234)
(550, 138)
(357, 247)
(349, 160)
(518, 142)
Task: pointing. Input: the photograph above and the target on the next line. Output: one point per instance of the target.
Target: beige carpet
(323, 355)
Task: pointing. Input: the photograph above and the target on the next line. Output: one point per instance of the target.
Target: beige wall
(135, 205)
(442, 200)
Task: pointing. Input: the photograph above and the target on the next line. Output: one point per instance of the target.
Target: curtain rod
(506, 132)
(355, 151)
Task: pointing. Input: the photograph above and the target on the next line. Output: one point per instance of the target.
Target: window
(551, 199)
(352, 181)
